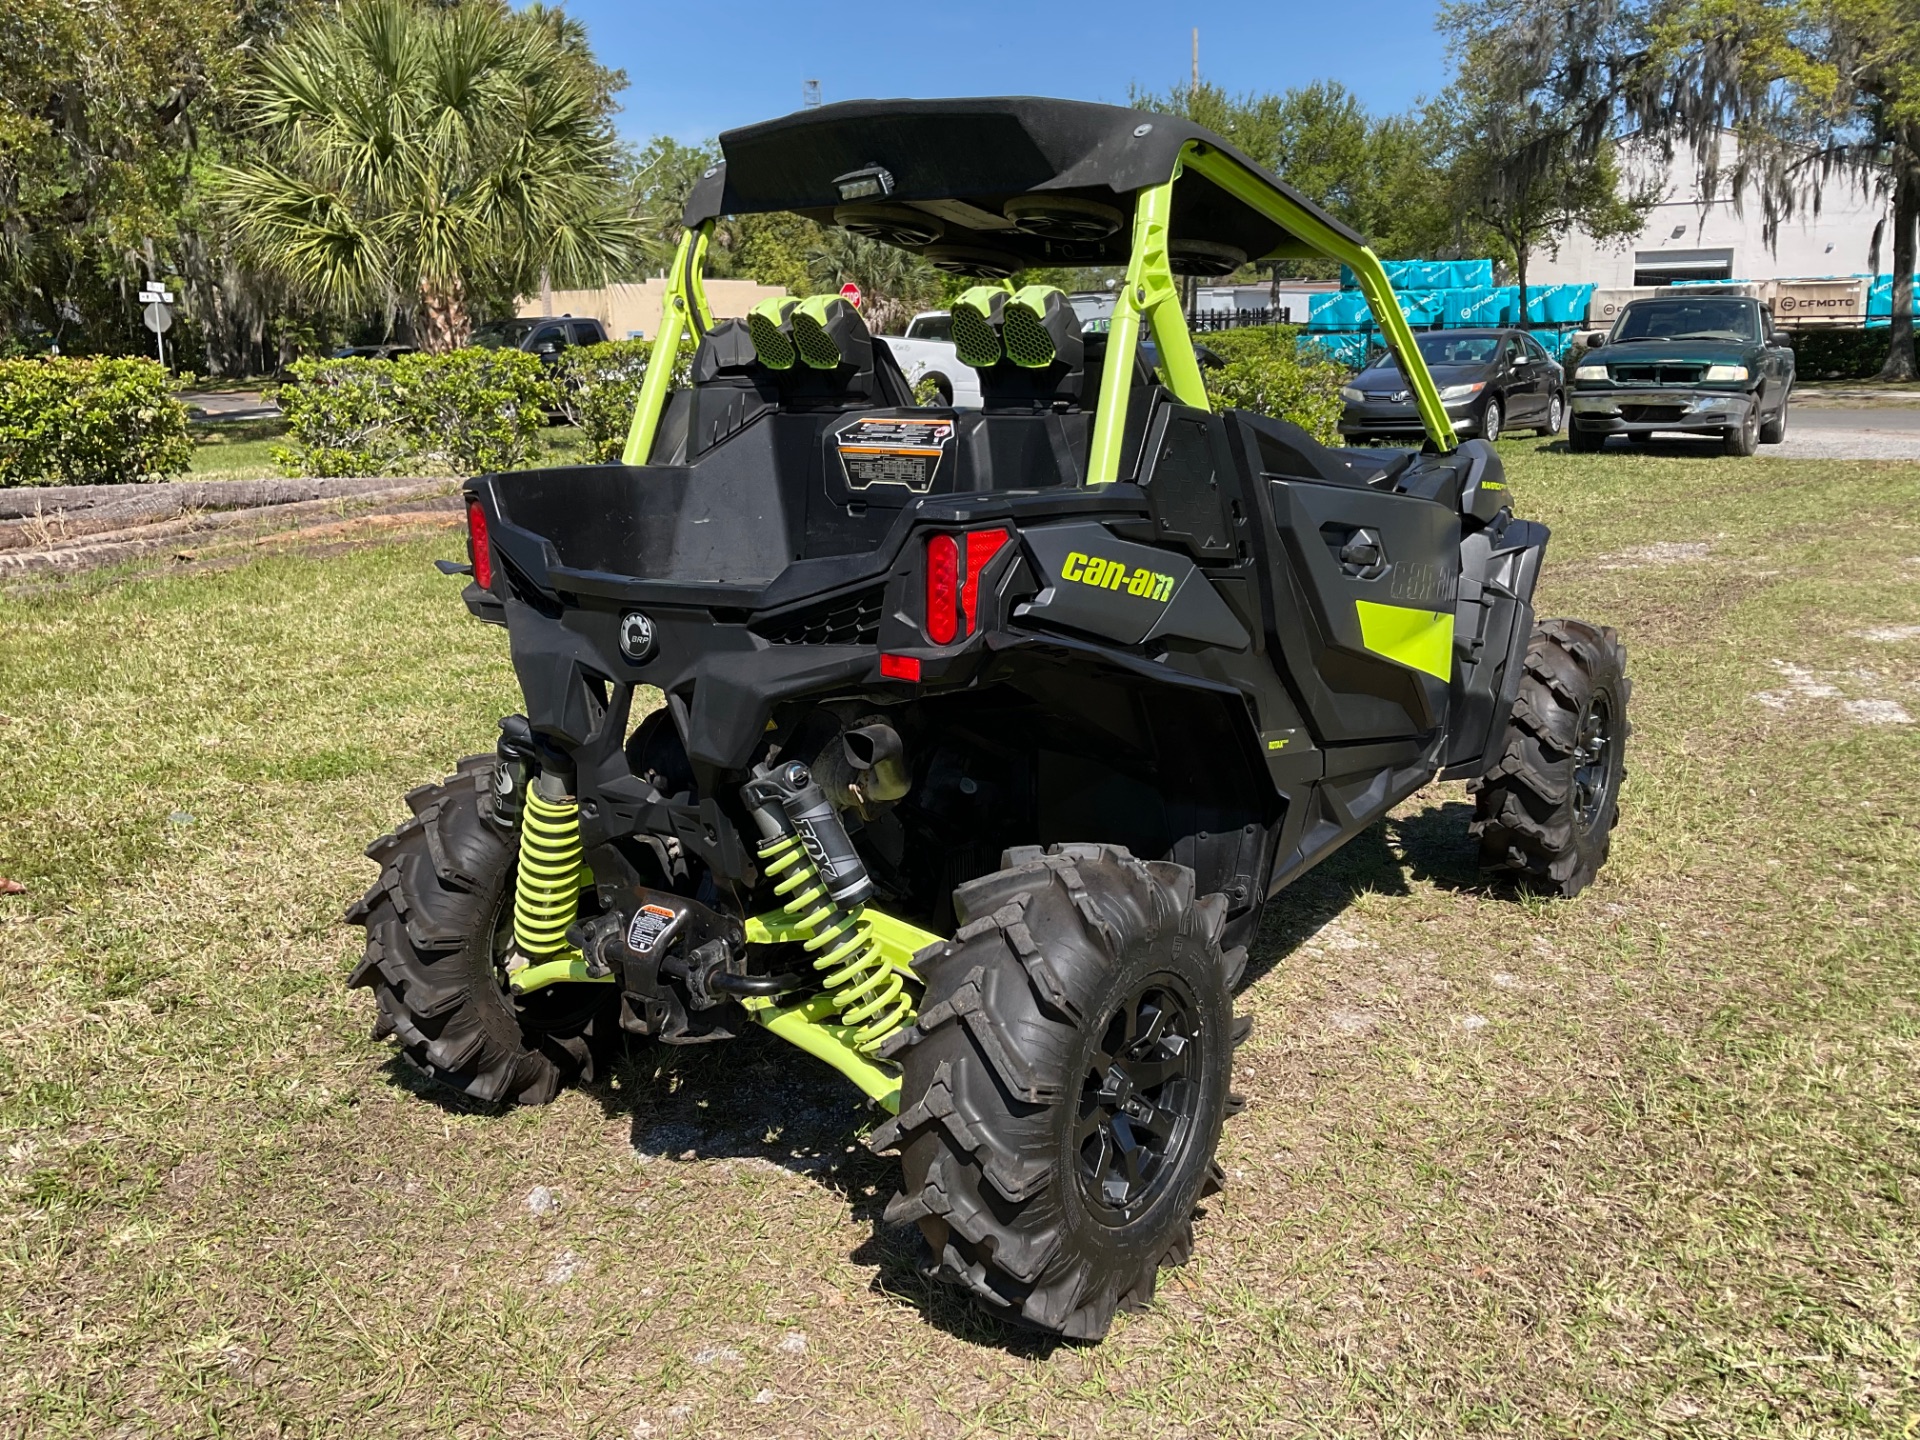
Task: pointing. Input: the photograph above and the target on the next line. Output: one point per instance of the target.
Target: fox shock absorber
(823, 885)
(546, 892)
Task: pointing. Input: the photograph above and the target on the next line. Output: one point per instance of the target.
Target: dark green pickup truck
(1693, 364)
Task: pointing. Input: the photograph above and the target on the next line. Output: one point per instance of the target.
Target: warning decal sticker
(650, 924)
(894, 450)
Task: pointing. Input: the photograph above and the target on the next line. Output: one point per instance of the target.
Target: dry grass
(1643, 1164)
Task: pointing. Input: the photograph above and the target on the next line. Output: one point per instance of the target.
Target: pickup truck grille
(1658, 374)
(844, 620)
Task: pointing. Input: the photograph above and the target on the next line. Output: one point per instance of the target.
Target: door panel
(1365, 607)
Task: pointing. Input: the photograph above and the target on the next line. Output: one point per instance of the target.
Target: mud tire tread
(428, 957)
(987, 1077)
(1524, 814)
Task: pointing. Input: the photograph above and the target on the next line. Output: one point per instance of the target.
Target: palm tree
(415, 157)
(894, 282)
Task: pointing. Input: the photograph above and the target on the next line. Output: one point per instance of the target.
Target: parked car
(1694, 364)
(374, 352)
(545, 336)
(926, 353)
(1491, 381)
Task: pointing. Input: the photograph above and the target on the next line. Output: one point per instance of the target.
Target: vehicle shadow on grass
(755, 1101)
(1384, 859)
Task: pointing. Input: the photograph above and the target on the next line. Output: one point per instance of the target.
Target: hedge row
(466, 412)
(1268, 371)
(89, 422)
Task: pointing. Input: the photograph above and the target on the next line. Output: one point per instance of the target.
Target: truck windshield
(1686, 320)
(501, 334)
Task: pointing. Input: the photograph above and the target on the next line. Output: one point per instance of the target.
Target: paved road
(1823, 432)
(231, 405)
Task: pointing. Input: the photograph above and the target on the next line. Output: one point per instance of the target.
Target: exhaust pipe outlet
(878, 760)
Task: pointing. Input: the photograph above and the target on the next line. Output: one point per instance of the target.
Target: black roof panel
(961, 161)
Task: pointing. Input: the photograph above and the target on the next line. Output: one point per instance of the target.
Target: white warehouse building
(1688, 237)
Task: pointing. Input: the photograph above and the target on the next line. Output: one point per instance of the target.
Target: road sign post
(157, 316)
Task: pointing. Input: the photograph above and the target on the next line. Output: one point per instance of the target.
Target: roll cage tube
(1322, 239)
(1150, 295)
(685, 306)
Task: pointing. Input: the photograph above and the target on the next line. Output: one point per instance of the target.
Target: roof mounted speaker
(1063, 217)
(971, 260)
(891, 224)
(1204, 258)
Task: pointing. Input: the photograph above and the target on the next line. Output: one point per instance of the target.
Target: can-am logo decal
(1084, 569)
(636, 636)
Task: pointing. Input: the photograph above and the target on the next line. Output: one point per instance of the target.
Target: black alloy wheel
(1139, 1101)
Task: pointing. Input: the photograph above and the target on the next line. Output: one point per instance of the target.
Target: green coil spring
(867, 992)
(546, 893)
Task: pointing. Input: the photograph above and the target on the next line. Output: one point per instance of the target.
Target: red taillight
(943, 589)
(478, 551)
(954, 565)
(982, 546)
(900, 667)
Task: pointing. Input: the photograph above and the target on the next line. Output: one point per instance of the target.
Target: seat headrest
(1027, 344)
(821, 332)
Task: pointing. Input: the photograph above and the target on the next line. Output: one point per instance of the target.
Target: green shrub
(599, 386)
(464, 413)
(1268, 372)
(89, 422)
(1839, 354)
(343, 418)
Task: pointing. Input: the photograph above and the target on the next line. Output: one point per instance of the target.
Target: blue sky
(697, 69)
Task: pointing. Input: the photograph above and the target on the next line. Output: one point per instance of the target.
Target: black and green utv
(984, 737)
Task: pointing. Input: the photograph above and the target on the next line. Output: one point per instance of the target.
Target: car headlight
(1590, 372)
(1462, 392)
(1726, 372)
(1349, 393)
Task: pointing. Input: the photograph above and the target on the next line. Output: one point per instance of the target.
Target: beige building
(633, 311)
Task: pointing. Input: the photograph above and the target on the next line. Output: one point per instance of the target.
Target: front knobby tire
(438, 923)
(1545, 813)
(1065, 1084)
(1744, 438)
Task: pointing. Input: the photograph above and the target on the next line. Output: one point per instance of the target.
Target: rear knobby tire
(1545, 812)
(435, 923)
(1038, 1025)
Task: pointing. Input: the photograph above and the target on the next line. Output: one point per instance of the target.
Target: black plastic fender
(1493, 620)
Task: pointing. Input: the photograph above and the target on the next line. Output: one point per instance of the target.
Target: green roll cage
(1150, 294)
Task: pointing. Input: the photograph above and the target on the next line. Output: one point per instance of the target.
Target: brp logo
(636, 637)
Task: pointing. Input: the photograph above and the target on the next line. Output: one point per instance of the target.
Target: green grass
(1645, 1163)
(236, 449)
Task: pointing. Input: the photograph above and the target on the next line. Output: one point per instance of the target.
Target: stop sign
(850, 292)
